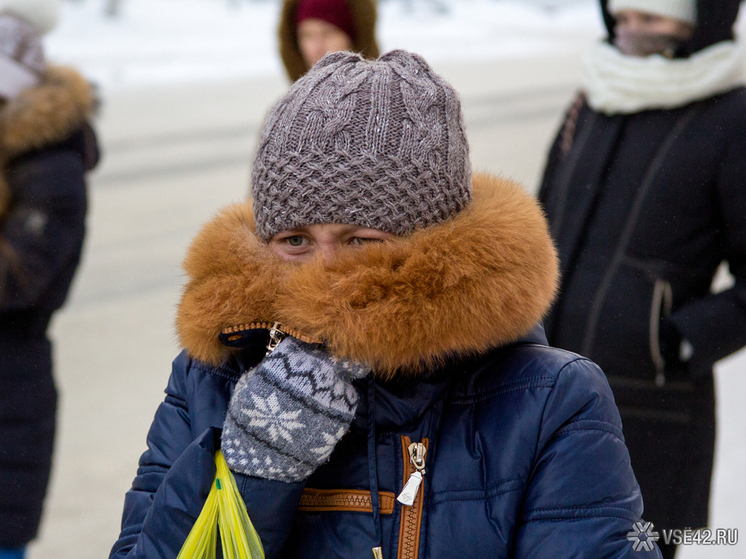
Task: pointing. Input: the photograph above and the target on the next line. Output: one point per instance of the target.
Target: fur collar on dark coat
(478, 281)
(43, 115)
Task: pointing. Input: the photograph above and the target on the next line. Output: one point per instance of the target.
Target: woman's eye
(359, 241)
(295, 241)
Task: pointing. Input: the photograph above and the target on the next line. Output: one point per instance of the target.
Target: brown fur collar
(478, 281)
(45, 114)
(364, 15)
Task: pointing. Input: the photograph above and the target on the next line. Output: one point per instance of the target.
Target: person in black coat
(644, 190)
(46, 147)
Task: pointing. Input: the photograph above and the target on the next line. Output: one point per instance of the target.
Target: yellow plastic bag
(224, 509)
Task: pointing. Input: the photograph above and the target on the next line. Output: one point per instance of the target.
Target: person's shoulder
(188, 373)
(531, 366)
(728, 105)
(737, 95)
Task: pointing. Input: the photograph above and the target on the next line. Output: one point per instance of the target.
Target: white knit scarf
(616, 83)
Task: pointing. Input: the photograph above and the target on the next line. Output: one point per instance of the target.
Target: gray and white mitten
(286, 415)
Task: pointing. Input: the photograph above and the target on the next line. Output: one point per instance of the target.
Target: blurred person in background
(310, 29)
(46, 147)
(645, 190)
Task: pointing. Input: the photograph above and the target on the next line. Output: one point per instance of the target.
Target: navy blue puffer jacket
(525, 453)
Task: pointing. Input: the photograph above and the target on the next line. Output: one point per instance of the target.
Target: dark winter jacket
(46, 146)
(525, 456)
(644, 208)
(364, 16)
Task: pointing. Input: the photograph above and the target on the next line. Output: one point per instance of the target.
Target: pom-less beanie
(684, 10)
(19, 42)
(336, 12)
(374, 143)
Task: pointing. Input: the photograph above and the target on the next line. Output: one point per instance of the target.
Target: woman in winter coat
(46, 147)
(408, 402)
(309, 29)
(644, 190)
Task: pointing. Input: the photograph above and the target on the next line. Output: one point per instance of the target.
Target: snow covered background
(160, 42)
(156, 41)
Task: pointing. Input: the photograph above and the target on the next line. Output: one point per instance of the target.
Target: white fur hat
(684, 10)
(42, 14)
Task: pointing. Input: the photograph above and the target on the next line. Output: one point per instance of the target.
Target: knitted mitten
(286, 416)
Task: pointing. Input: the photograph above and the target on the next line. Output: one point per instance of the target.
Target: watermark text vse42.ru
(643, 535)
(704, 536)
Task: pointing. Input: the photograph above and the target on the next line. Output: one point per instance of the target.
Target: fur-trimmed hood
(364, 15)
(478, 281)
(43, 115)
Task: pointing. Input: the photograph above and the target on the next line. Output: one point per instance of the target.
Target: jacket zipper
(417, 453)
(599, 299)
(277, 332)
(412, 498)
(660, 307)
(275, 337)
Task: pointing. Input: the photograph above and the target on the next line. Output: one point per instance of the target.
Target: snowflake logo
(268, 414)
(642, 536)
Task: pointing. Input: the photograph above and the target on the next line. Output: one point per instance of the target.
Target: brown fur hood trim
(45, 114)
(364, 15)
(478, 281)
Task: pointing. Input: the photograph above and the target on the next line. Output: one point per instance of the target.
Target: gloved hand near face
(286, 416)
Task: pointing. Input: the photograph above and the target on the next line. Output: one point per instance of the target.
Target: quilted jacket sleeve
(174, 478)
(582, 493)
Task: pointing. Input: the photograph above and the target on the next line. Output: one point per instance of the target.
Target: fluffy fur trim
(478, 281)
(45, 114)
(42, 14)
(364, 14)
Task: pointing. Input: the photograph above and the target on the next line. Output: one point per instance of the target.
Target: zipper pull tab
(275, 337)
(409, 493)
(417, 453)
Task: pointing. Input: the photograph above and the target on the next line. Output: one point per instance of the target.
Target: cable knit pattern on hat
(378, 144)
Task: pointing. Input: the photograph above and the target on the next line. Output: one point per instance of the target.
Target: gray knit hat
(375, 143)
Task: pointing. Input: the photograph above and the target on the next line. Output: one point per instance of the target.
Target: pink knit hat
(336, 12)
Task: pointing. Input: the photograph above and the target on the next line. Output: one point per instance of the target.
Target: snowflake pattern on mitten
(286, 416)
